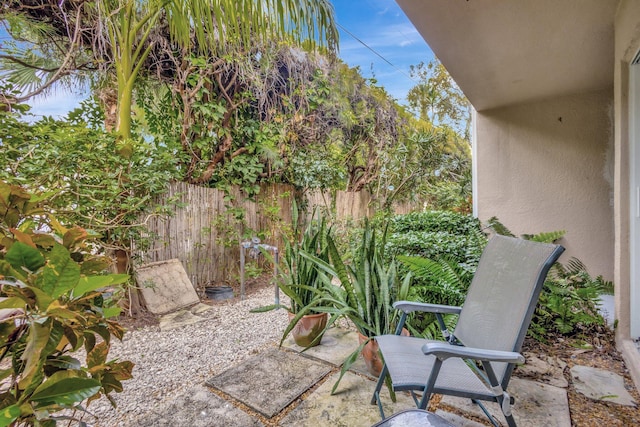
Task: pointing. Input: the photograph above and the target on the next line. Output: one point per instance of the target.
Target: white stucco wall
(548, 166)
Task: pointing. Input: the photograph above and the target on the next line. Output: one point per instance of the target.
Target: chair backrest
(503, 295)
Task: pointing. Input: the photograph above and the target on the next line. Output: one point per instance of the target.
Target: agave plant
(367, 290)
(301, 280)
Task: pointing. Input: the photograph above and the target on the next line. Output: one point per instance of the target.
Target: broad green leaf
(9, 415)
(75, 336)
(91, 283)
(94, 266)
(22, 256)
(65, 388)
(65, 362)
(61, 272)
(58, 310)
(118, 279)
(43, 299)
(111, 312)
(36, 342)
(13, 302)
(43, 240)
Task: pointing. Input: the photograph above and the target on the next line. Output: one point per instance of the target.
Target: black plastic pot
(218, 292)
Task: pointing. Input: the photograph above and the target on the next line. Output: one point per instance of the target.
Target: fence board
(206, 228)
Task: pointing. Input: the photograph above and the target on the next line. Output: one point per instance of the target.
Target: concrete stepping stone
(184, 317)
(457, 420)
(336, 345)
(271, 380)
(350, 406)
(535, 405)
(165, 286)
(198, 407)
(544, 369)
(601, 385)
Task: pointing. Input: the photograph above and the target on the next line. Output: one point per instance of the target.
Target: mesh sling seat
(477, 359)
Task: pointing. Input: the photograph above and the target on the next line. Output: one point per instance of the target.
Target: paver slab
(601, 385)
(336, 345)
(458, 420)
(535, 405)
(349, 407)
(184, 317)
(544, 369)
(271, 380)
(165, 286)
(198, 407)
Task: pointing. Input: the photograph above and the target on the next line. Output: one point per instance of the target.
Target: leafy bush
(445, 248)
(50, 292)
(437, 234)
(90, 184)
(569, 302)
(569, 299)
(442, 250)
(445, 221)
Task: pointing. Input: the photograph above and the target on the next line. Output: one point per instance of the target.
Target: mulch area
(602, 354)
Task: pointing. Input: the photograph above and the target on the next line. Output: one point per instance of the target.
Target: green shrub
(51, 287)
(569, 303)
(437, 234)
(451, 222)
(569, 299)
(442, 250)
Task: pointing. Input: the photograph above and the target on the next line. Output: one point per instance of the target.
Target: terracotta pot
(371, 355)
(308, 328)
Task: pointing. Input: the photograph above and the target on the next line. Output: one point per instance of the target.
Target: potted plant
(303, 282)
(368, 287)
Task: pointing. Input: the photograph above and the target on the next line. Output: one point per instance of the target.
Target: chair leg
(431, 383)
(492, 420)
(508, 415)
(376, 394)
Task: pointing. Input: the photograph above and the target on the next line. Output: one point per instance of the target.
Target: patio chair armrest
(411, 306)
(444, 351)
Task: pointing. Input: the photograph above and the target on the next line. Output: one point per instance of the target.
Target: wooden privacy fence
(207, 225)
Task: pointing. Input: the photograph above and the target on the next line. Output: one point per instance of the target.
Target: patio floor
(287, 387)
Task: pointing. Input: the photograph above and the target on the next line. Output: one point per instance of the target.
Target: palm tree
(203, 25)
(124, 33)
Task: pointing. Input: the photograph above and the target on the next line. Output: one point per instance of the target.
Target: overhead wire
(342, 27)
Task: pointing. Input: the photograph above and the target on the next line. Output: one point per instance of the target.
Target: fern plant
(570, 297)
(442, 281)
(569, 302)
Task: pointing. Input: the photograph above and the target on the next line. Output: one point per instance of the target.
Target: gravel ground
(168, 362)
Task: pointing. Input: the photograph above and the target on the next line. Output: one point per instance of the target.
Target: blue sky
(380, 24)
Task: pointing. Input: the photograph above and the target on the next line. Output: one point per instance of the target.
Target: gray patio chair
(477, 359)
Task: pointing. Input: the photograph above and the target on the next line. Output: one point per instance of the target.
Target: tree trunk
(135, 305)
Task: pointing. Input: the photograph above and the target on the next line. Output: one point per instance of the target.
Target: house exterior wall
(627, 44)
(548, 166)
